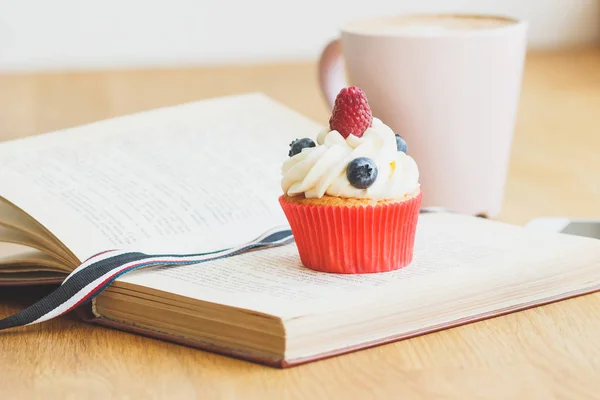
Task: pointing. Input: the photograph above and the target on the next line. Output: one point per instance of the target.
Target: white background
(77, 34)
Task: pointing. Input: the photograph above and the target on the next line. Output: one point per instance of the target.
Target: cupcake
(352, 199)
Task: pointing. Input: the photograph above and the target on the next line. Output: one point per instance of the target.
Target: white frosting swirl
(320, 170)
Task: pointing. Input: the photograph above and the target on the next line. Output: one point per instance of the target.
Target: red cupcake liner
(354, 239)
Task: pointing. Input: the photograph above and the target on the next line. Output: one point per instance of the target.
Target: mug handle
(332, 76)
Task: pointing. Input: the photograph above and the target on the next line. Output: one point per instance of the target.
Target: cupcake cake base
(353, 236)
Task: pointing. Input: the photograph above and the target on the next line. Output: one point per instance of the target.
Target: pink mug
(448, 84)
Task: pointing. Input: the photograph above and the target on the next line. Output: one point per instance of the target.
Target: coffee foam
(428, 24)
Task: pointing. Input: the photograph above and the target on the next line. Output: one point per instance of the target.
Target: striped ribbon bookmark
(99, 271)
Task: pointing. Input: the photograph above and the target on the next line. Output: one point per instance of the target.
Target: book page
(275, 282)
(190, 178)
(9, 252)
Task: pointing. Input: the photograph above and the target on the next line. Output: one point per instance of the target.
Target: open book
(205, 176)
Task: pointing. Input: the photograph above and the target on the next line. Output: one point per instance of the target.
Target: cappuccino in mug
(427, 24)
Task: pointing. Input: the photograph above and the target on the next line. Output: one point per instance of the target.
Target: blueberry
(297, 145)
(361, 172)
(401, 144)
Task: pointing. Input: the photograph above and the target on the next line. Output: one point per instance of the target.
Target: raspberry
(351, 112)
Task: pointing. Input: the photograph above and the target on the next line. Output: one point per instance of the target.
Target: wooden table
(544, 353)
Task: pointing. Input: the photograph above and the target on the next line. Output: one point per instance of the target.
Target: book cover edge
(86, 314)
